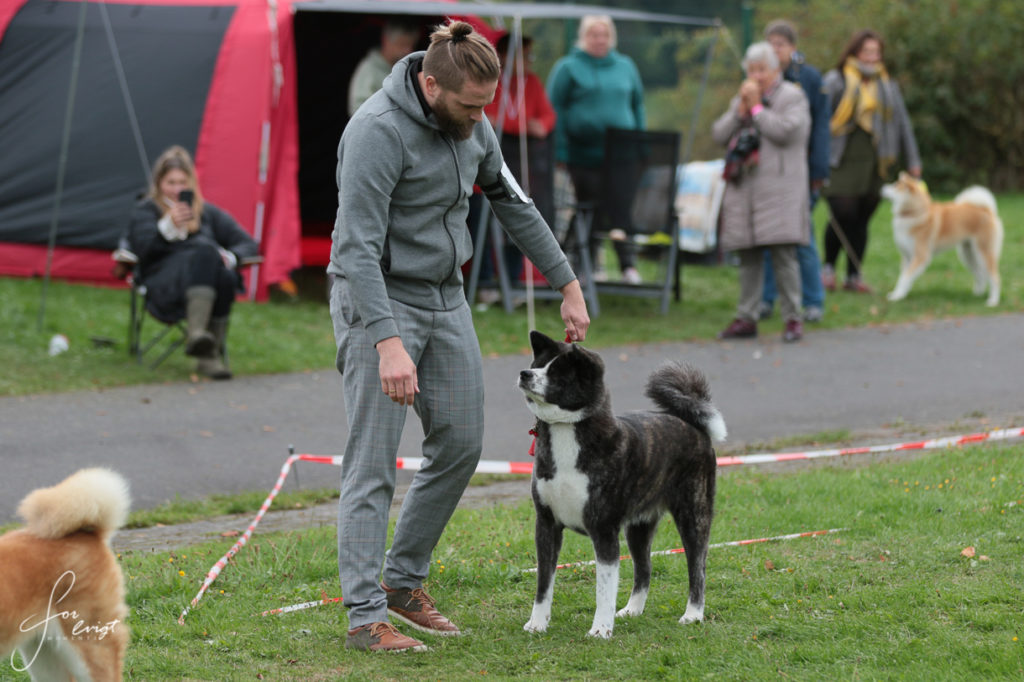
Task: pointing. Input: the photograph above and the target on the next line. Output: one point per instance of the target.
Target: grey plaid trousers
(449, 368)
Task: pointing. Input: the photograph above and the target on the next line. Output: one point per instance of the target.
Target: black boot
(198, 307)
(212, 364)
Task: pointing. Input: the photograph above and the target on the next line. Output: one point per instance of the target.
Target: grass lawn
(923, 584)
(893, 596)
(294, 337)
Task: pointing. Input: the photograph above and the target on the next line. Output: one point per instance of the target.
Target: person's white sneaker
(631, 276)
(488, 296)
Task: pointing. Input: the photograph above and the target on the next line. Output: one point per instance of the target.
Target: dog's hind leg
(987, 255)
(107, 662)
(639, 536)
(52, 657)
(606, 547)
(692, 513)
(967, 250)
(548, 536)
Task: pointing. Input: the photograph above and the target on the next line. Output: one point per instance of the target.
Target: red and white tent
(92, 91)
(217, 76)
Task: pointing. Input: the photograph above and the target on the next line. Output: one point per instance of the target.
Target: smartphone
(186, 196)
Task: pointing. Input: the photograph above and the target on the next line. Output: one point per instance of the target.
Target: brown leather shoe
(416, 609)
(381, 636)
(739, 329)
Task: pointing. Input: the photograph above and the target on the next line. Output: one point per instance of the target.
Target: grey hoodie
(403, 199)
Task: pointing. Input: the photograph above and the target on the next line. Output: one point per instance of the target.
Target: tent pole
(700, 97)
(63, 161)
(133, 120)
(524, 160)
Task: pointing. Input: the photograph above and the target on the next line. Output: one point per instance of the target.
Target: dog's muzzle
(527, 382)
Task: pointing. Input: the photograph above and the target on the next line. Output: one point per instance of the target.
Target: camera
(186, 196)
(746, 142)
(741, 153)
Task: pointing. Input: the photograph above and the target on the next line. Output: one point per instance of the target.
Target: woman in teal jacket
(594, 88)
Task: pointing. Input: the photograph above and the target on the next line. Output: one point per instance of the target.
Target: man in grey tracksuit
(407, 163)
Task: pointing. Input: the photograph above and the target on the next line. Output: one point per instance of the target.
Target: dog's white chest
(566, 493)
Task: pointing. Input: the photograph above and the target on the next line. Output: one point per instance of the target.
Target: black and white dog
(596, 473)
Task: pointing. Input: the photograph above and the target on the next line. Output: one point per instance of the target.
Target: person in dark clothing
(870, 127)
(593, 88)
(188, 252)
(782, 36)
(534, 119)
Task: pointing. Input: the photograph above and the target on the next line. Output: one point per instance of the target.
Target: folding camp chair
(127, 267)
(638, 190)
(173, 333)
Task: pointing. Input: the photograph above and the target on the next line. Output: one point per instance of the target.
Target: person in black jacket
(188, 252)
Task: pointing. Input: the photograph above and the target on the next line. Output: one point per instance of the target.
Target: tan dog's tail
(978, 196)
(91, 500)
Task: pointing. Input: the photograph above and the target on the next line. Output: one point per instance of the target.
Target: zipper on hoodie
(447, 231)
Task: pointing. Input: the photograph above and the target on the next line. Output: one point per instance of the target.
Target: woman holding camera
(188, 253)
(764, 207)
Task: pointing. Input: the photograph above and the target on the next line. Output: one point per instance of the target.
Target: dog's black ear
(542, 344)
(589, 365)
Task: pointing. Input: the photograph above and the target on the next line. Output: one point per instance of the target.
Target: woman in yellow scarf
(870, 127)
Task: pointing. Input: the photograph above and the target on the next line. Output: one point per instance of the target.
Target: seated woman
(188, 251)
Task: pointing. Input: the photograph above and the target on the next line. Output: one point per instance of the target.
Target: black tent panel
(168, 55)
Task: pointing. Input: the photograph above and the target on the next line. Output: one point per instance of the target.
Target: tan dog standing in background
(922, 227)
(61, 590)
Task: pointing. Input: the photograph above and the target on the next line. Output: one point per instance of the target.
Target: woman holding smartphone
(188, 253)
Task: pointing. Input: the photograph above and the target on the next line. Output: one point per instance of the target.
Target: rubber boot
(213, 365)
(198, 306)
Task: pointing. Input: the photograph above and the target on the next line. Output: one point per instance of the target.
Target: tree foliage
(959, 65)
(958, 62)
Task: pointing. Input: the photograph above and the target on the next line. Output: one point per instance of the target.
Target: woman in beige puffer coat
(765, 202)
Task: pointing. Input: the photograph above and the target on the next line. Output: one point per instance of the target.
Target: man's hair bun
(460, 30)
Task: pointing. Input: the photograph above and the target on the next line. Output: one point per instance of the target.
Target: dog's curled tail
(91, 500)
(977, 196)
(682, 390)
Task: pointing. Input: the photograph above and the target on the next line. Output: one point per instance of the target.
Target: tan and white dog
(922, 227)
(61, 590)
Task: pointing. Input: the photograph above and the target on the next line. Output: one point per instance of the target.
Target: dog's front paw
(535, 626)
(635, 605)
(602, 631)
(692, 615)
(895, 296)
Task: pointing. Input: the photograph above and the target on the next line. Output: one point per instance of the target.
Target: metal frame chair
(638, 185)
(127, 268)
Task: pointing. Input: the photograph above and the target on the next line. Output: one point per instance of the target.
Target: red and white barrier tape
(934, 443)
(499, 467)
(324, 600)
(733, 543)
(680, 550)
(223, 561)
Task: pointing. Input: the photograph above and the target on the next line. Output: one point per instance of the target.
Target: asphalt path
(194, 440)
